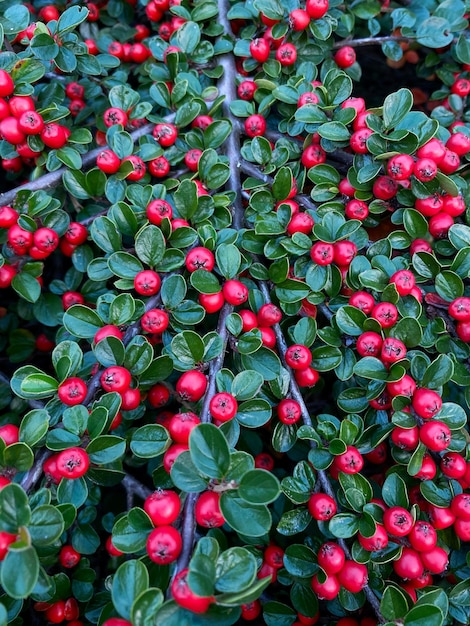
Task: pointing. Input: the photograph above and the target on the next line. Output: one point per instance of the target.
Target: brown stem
(369, 41)
(135, 487)
(227, 87)
(34, 474)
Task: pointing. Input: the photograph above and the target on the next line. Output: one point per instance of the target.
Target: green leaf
(14, 508)
(246, 385)
(81, 321)
(20, 572)
(294, 522)
(130, 580)
(70, 157)
(235, 570)
(424, 615)
(39, 385)
(396, 106)
(71, 18)
(173, 291)
(228, 260)
(299, 561)
(334, 131)
(44, 47)
(248, 520)
(121, 309)
(278, 614)
(259, 486)
(130, 531)
(149, 441)
(106, 449)
(449, 285)
(185, 476)
(434, 32)
(254, 413)
(372, 368)
(204, 282)
(34, 426)
(438, 373)
(46, 525)
(394, 604)
(187, 37)
(350, 320)
(344, 525)
(209, 451)
(139, 355)
(145, 606)
(201, 577)
(188, 348)
(395, 491)
(106, 235)
(264, 361)
(26, 286)
(150, 245)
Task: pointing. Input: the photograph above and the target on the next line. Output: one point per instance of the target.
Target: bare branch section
(227, 88)
(369, 41)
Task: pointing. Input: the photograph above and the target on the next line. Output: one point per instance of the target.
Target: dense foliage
(235, 321)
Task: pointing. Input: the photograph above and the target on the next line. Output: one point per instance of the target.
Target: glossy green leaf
(130, 580)
(209, 451)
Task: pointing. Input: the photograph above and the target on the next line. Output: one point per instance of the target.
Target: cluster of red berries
(459, 310)
(169, 23)
(38, 244)
(60, 611)
(338, 571)
(20, 120)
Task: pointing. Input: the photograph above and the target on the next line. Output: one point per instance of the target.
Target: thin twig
(135, 487)
(227, 87)
(369, 41)
(34, 474)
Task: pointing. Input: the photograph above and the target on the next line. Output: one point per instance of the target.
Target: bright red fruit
(163, 507)
(72, 391)
(164, 545)
(426, 402)
(72, 463)
(321, 506)
(398, 521)
(185, 597)
(331, 557)
(191, 385)
(207, 510)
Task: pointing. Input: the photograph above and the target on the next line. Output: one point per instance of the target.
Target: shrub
(235, 317)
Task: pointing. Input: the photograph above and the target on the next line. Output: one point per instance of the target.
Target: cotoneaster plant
(235, 313)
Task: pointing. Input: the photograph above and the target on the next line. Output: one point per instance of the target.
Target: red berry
(331, 558)
(72, 391)
(426, 402)
(207, 510)
(185, 597)
(321, 506)
(72, 463)
(163, 507)
(164, 545)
